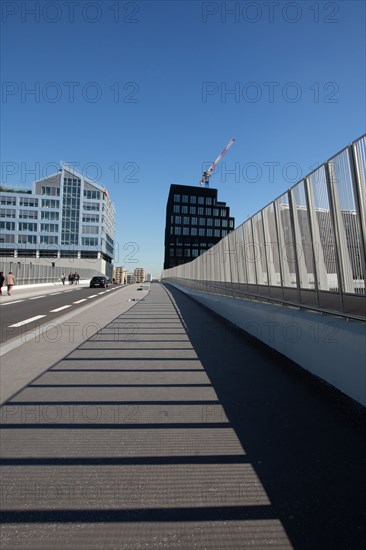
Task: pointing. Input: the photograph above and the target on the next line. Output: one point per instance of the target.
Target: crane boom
(208, 173)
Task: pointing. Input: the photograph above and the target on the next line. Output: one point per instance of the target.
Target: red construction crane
(208, 173)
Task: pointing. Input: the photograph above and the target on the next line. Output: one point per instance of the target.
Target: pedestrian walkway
(169, 429)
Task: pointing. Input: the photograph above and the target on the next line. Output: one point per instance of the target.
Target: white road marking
(54, 293)
(27, 321)
(14, 302)
(59, 309)
(36, 297)
(94, 296)
(79, 301)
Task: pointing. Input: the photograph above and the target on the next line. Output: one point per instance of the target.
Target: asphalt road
(25, 313)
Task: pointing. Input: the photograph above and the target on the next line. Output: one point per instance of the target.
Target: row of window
(193, 199)
(48, 203)
(210, 222)
(51, 191)
(31, 227)
(200, 210)
(88, 194)
(29, 239)
(200, 232)
(185, 253)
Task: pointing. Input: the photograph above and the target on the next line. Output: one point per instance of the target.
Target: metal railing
(307, 247)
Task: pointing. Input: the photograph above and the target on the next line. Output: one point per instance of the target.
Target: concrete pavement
(168, 429)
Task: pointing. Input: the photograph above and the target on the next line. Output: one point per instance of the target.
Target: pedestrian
(10, 282)
(63, 278)
(2, 279)
(76, 278)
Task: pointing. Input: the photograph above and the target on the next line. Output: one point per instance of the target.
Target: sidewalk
(167, 429)
(27, 291)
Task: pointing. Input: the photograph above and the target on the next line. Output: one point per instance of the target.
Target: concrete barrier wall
(327, 346)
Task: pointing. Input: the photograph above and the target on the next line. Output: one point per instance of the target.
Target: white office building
(65, 217)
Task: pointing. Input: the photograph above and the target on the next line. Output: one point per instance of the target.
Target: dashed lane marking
(26, 321)
(14, 302)
(59, 309)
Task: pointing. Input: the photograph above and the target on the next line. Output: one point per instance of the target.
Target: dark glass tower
(195, 221)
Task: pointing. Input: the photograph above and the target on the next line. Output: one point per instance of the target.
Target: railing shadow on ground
(259, 423)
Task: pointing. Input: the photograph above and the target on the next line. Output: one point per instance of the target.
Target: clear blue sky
(143, 91)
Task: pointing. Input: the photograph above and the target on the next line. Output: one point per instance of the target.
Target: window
(23, 201)
(194, 231)
(49, 239)
(49, 227)
(223, 212)
(209, 232)
(201, 210)
(51, 191)
(194, 253)
(184, 209)
(87, 218)
(185, 230)
(50, 203)
(192, 209)
(89, 229)
(201, 232)
(209, 222)
(208, 200)
(176, 209)
(23, 226)
(215, 211)
(178, 252)
(27, 239)
(8, 201)
(192, 199)
(217, 223)
(177, 230)
(176, 198)
(171, 219)
(201, 200)
(178, 219)
(89, 241)
(224, 223)
(94, 206)
(89, 194)
(28, 214)
(194, 221)
(208, 211)
(185, 198)
(186, 220)
(7, 213)
(224, 232)
(7, 226)
(171, 252)
(7, 238)
(231, 223)
(187, 253)
(202, 221)
(217, 233)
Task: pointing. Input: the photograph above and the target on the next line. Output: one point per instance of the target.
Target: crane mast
(208, 173)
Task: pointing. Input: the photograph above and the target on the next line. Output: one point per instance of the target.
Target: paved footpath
(168, 429)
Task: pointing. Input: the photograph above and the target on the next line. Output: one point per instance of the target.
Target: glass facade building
(64, 216)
